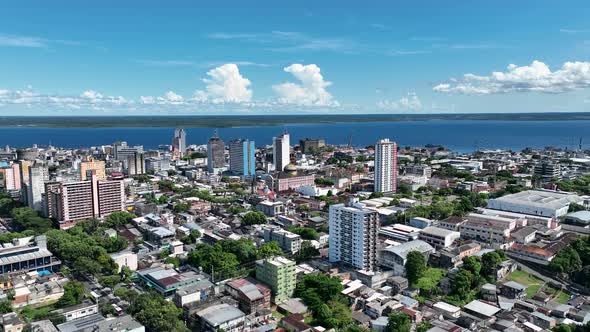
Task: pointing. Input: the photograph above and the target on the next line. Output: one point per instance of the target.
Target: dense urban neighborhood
(293, 236)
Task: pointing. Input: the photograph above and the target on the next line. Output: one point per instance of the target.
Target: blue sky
(253, 57)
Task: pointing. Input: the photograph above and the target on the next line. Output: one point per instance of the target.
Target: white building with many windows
(385, 166)
(353, 236)
(438, 237)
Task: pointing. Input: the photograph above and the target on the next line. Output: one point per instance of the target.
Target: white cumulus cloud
(411, 102)
(225, 85)
(536, 77)
(311, 91)
(91, 94)
(173, 97)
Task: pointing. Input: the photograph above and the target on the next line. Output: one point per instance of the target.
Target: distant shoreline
(225, 121)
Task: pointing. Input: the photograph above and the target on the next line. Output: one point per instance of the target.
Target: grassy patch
(532, 290)
(277, 315)
(524, 278)
(533, 283)
(430, 278)
(31, 314)
(562, 297)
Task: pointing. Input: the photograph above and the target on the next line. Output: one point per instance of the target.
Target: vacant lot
(533, 283)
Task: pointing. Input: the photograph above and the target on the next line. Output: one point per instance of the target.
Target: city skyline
(328, 59)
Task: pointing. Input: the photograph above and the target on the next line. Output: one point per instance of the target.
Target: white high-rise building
(385, 166)
(281, 151)
(38, 175)
(179, 142)
(353, 236)
(136, 164)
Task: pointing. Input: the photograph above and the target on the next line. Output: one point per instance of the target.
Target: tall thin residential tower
(280, 151)
(179, 142)
(385, 166)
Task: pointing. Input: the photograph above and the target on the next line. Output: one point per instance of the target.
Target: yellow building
(94, 165)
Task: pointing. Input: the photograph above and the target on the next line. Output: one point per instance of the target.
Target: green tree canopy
(73, 294)
(254, 218)
(157, 314)
(398, 322)
(415, 266)
(269, 249)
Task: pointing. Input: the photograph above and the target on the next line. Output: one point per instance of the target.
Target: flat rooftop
(541, 198)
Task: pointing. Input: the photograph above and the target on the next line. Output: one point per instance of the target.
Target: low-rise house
(398, 284)
(481, 309)
(449, 258)
(12, 323)
(295, 323)
(513, 290)
(489, 292)
(449, 311)
(98, 323)
(197, 292)
(167, 281)
(160, 235)
(125, 258)
(37, 291)
(220, 317)
(78, 311)
(543, 320)
(250, 294)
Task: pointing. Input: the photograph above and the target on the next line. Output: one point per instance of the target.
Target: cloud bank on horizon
(228, 90)
(536, 77)
(225, 88)
(388, 57)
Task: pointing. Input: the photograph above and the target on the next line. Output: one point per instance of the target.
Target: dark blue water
(460, 136)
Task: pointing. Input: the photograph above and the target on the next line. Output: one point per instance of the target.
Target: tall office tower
(353, 236)
(69, 202)
(135, 164)
(242, 159)
(122, 151)
(93, 165)
(38, 175)
(117, 146)
(179, 142)
(12, 177)
(385, 166)
(281, 151)
(215, 153)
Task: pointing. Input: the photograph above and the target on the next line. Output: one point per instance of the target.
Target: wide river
(458, 135)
